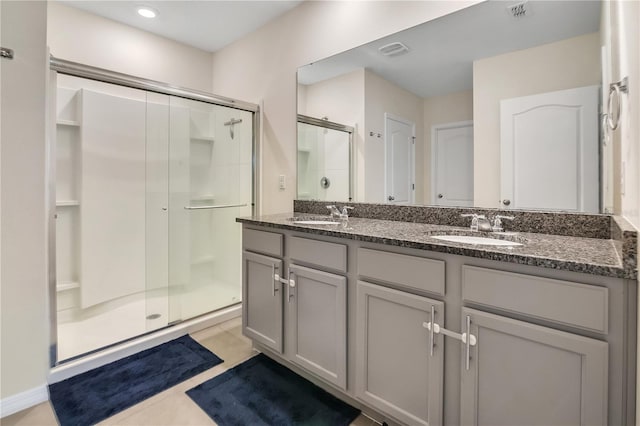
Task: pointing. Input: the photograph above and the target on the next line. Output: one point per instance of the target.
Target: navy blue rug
(262, 392)
(93, 396)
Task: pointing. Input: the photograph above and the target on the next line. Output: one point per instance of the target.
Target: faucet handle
(333, 211)
(345, 210)
(497, 222)
(474, 220)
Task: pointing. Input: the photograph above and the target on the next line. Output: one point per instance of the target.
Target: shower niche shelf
(68, 123)
(68, 168)
(67, 285)
(67, 203)
(201, 260)
(202, 138)
(202, 197)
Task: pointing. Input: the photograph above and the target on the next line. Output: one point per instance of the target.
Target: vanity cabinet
(524, 372)
(521, 373)
(399, 368)
(262, 312)
(317, 323)
(262, 317)
(358, 318)
(294, 309)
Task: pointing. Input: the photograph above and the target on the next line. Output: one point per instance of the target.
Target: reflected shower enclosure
(324, 160)
(147, 189)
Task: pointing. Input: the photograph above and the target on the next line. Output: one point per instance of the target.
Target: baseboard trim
(23, 400)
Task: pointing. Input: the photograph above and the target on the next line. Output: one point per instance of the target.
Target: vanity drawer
(579, 305)
(320, 253)
(262, 242)
(406, 271)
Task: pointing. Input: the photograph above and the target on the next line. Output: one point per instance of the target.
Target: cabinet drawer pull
(441, 330)
(277, 279)
(291, 285)
(468, 341)
(431, 329)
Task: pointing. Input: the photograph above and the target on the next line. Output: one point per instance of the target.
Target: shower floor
(126, 318)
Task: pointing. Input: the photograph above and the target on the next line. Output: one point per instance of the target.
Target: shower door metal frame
(305, 119)
(61, 66)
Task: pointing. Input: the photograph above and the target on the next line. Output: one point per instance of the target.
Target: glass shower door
(324, 163)
(110, 156)
(210, 184)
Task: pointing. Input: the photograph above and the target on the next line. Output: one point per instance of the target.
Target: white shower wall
(133, 169)
(323, 153)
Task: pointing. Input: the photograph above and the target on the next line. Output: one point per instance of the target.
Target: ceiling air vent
(519, 10)
(393, 49)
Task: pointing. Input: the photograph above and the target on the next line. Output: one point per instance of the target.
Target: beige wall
(383, 97)
(622, 36)
(341, 100)
(79, 36)
(23, 313)
(443, 109)
(555, 66)
(262, 67)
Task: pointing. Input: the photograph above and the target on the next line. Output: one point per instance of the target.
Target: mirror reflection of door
(399, 149)
(556, 132)
(452, 164)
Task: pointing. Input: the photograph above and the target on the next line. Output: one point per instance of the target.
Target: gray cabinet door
(524, 374)
(262, 300)
(397, 373)
(317, 323)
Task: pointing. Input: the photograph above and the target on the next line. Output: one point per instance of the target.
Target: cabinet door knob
(391, 198)
(506, 202)
(440, 195)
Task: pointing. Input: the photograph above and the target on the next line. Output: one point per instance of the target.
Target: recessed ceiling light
(147, 12)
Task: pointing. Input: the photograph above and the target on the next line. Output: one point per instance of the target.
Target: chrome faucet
(479, 222)
(336, 213)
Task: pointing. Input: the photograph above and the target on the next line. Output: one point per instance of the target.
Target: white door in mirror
(555, 132)
(399, 160)
(452, 164)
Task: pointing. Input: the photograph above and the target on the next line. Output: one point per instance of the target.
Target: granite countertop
(587, 255)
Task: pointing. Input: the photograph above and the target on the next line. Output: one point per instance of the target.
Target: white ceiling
(207, 25)
(442, 51)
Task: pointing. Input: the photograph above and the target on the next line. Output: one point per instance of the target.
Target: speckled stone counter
(587, 225)
(597, 256)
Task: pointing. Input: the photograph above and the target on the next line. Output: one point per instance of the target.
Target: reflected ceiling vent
(519, 10)
(393, 49)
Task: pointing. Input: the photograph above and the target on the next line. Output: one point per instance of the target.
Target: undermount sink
(315, 222)
(476, 240)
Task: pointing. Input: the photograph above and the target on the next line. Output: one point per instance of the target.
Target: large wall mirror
(496, 105)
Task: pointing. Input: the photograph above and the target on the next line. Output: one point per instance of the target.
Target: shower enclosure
(148, 184)
(324, 160)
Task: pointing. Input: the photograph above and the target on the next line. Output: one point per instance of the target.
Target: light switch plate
(281, 182)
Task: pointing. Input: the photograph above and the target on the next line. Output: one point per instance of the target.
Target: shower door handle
(221, 206)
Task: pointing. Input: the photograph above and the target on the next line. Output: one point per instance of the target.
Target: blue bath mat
(262, 392)
(93, 396)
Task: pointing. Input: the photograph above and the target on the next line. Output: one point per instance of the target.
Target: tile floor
(171, 407)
